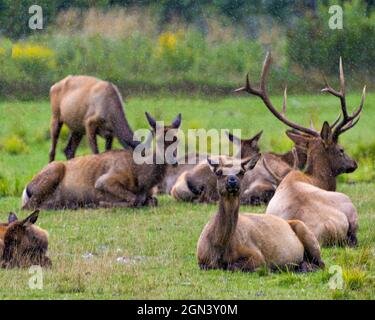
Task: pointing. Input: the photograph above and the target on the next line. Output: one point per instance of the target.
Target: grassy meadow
(149, 253)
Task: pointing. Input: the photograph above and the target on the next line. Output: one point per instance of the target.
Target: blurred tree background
(205, 45)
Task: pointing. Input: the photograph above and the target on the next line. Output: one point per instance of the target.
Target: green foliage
(313, 45)
(14, 145)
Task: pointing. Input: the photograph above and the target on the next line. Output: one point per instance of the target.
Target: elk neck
(226, 220)
(319, 170)
(155, 171)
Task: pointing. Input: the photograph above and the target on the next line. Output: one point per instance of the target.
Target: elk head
(24, 243)
(165, 135)
(324, 151)
(229, 173)
(248, 147)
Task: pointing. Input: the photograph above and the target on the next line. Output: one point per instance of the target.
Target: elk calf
(110, 179)
(88, 105)
(23, 244)
(247, 242)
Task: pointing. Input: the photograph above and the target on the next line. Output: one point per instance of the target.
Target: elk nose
(232, 181)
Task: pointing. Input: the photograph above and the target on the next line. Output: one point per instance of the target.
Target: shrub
(14, 145)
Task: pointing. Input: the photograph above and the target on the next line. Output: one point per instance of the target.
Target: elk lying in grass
(88, 105)
(174, 171)
(258, 185)
(310, 196)
(110, 179)
(246, 242)
(23, 244)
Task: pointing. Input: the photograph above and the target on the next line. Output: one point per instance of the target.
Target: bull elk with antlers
(247, 242)
(88, 105)
(310, 196)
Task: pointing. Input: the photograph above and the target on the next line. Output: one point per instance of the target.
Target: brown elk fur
(258, 185)
(247, 242)
(110, 179)
(310, 196)
(88, 105)
(23, 244)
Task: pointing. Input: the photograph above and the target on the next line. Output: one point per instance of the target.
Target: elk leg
(43, 185)
(108, 143)
(91, 129)
(309, 241)
(249, 260)
(73, 143)
(56, 126)
(110, 183)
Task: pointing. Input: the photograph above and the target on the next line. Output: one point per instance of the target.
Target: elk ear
(250, 162)
(12, 217)
(232, 138)
(31, 219)
(177, 122)
(254, 140)
(298, 139)
(151, 121)
(213, 164)
(326, 133)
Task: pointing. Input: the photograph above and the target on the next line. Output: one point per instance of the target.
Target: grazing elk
(88, 105)
(110, 179)
(245, 242)
(258, 185)
(310, 196)
(23, 244)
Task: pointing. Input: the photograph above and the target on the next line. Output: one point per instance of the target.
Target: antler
(347, 121)
(262, 93)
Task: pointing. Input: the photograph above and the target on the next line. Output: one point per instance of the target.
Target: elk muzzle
(232, 184)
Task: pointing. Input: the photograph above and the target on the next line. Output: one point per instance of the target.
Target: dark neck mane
(319, 170)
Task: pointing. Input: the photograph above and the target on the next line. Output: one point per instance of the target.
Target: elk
(310, 196)
(22, 243)
(246, 242)
(258, 185)
(110, 179)
(174, 171)
(199, 183)
(88, 105)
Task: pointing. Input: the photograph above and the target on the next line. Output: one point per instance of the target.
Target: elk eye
(241, 173)
(219, 173)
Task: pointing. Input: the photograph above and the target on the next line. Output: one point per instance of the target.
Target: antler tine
(342, 78)
(312, 127)
(262, 93)
(336, 121)
(265, 70)
(284, 102)
(350, 125)
(359, 110)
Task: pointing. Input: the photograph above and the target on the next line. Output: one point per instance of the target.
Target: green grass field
(150, 253)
